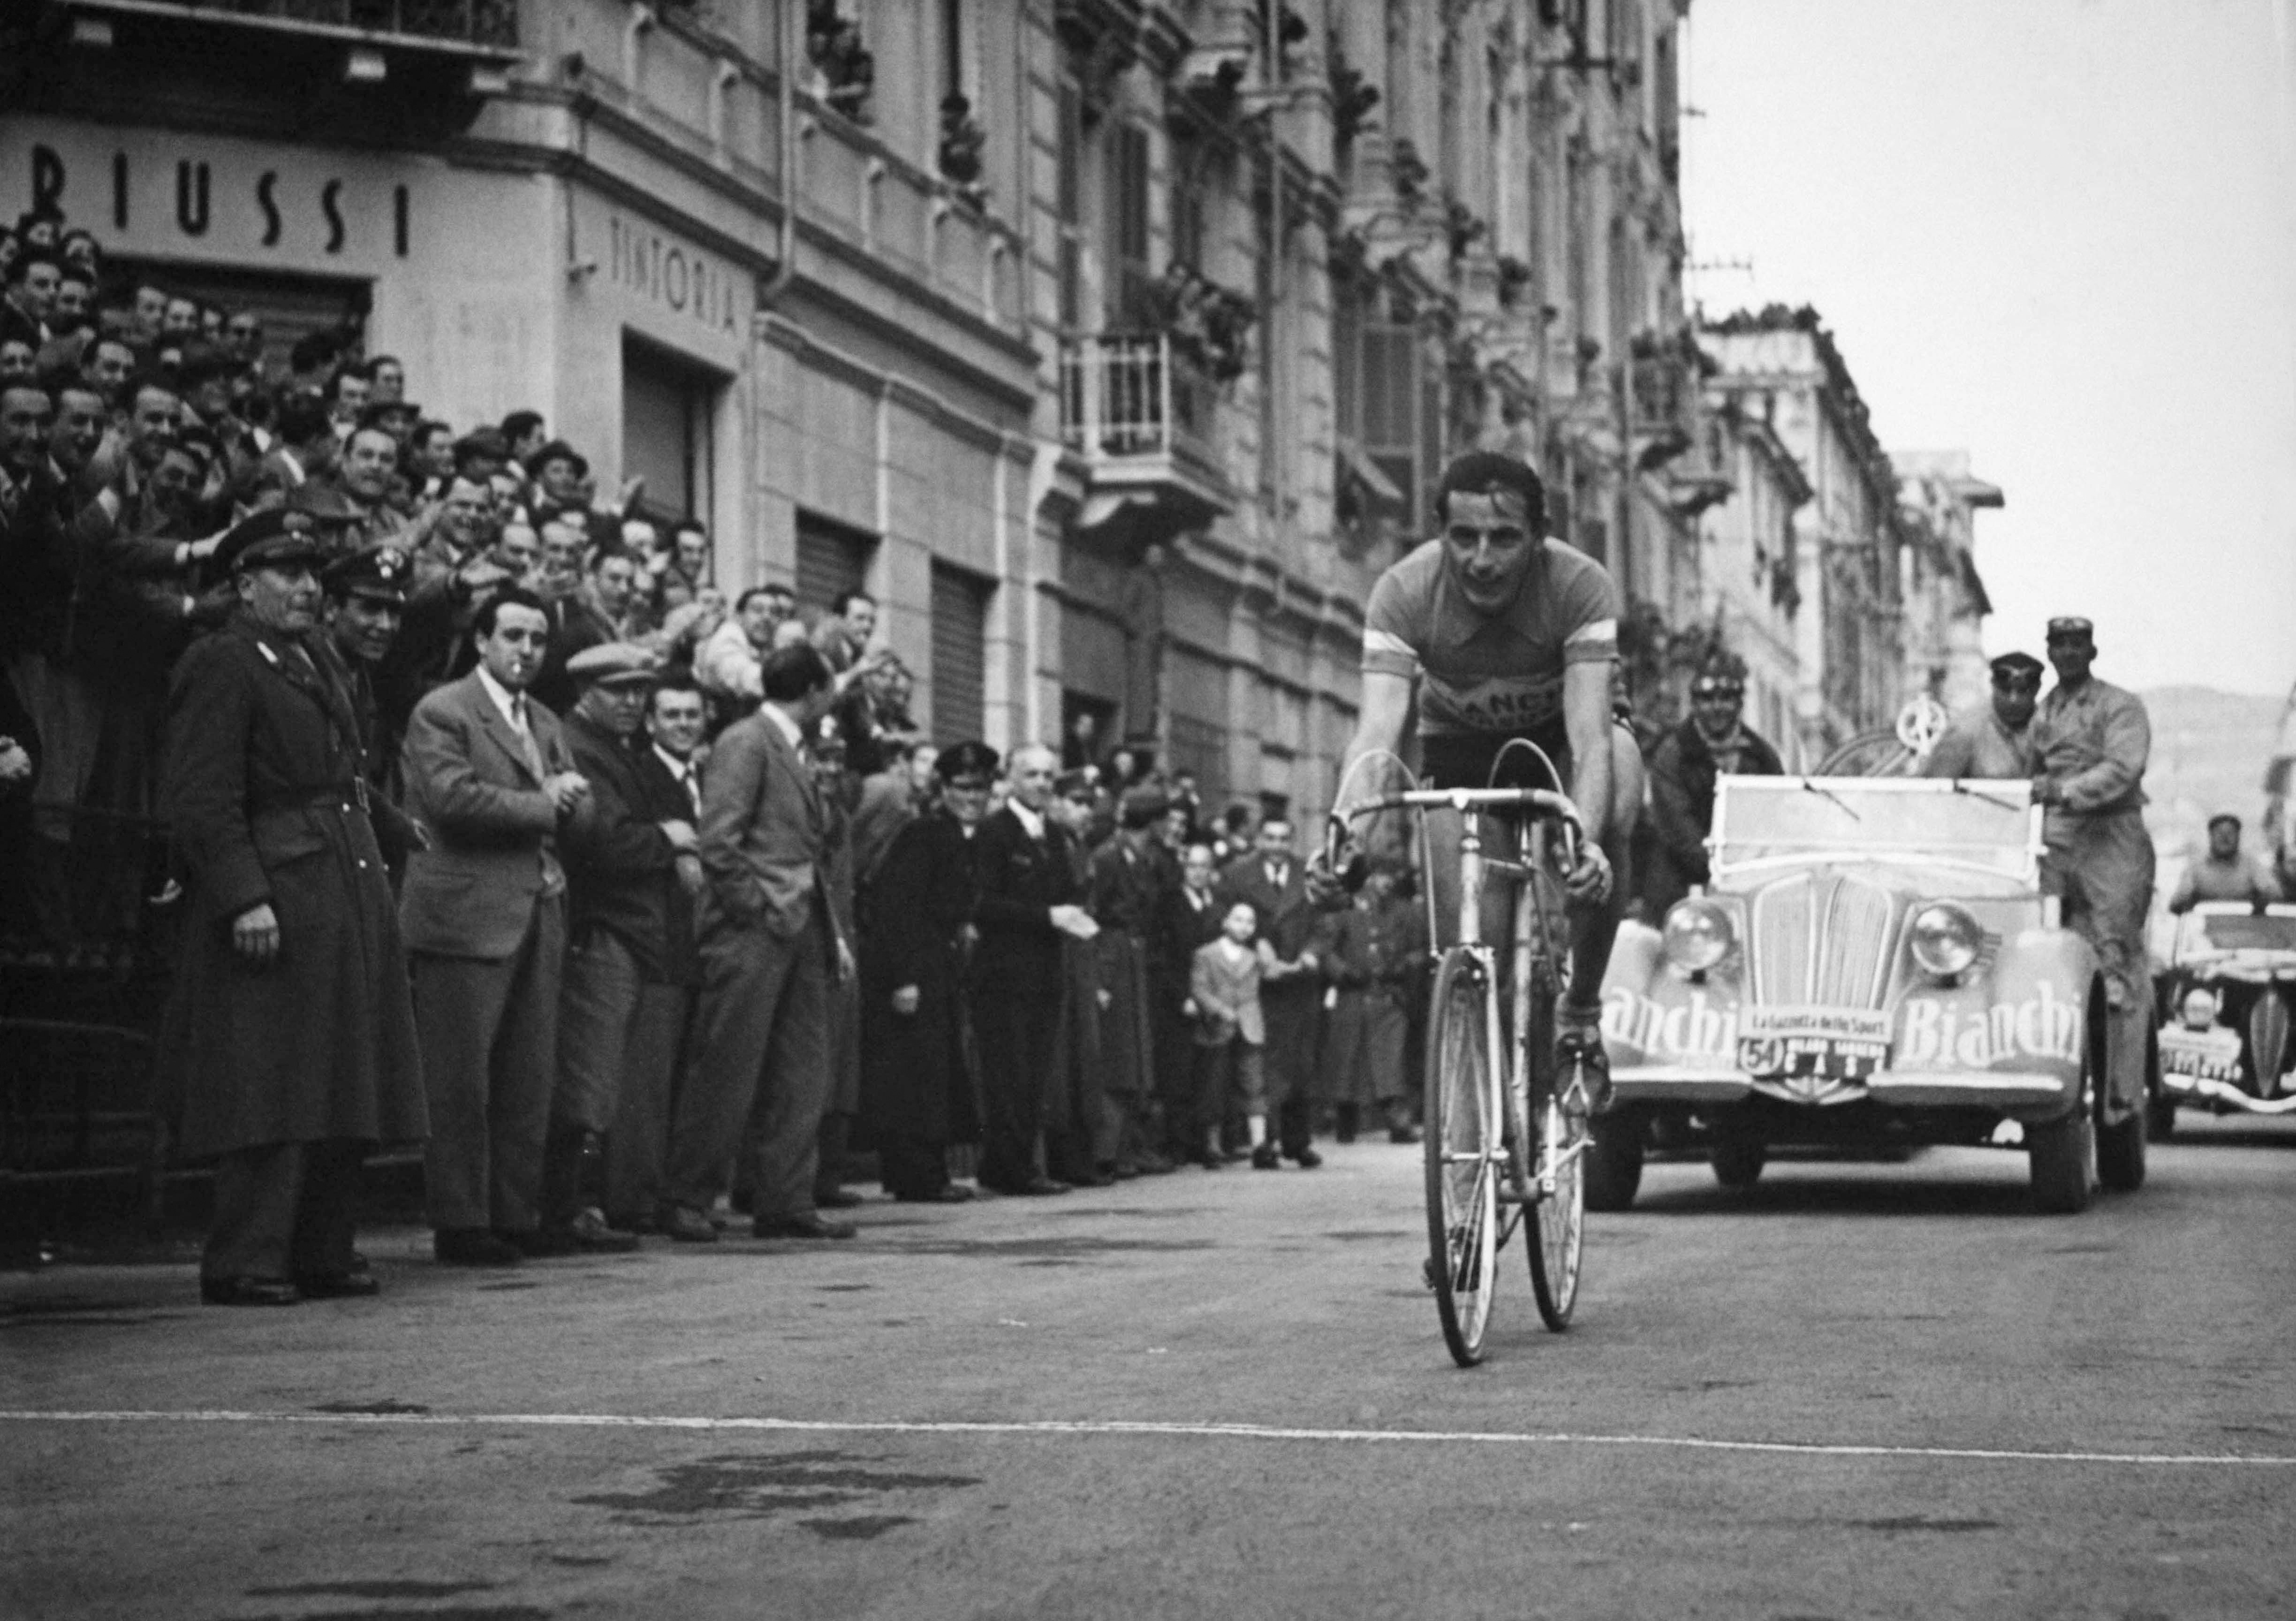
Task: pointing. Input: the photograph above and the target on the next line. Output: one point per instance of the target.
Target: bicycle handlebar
(1541, 803)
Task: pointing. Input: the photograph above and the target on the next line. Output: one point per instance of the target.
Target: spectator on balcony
(1712, 744)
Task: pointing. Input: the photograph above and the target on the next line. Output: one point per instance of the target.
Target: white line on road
(1125, 1427)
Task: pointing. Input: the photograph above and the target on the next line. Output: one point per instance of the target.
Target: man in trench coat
(290, 1045)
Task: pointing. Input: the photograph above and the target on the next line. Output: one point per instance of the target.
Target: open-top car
(2230, 1052)
(1873, 963)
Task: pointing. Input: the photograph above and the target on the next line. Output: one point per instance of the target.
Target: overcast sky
(2061, 233)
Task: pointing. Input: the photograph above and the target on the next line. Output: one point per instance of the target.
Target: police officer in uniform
(1995, 741)
(291, 1048)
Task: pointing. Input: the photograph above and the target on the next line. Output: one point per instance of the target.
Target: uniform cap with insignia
(2016, 666)
(2071, 628)
(274, 538)
(1143, 804)
(966, 759)
(380, 571)
(615, 664)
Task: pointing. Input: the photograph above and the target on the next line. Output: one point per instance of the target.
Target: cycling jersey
(1485, 679)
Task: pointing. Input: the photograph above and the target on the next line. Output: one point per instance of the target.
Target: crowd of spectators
(1034, 973)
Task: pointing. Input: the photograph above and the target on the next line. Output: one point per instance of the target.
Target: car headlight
(1946, 939)
(1698, 935)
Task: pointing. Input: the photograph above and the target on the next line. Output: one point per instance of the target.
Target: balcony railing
(490, 25)
(1130, 395)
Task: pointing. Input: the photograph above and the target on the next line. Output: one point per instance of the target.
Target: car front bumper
(2024, 1091)
(2205, 1093)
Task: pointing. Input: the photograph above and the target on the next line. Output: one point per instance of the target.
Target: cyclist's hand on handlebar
(1588, 883)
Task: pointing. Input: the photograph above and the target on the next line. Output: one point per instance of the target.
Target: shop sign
(172, 198)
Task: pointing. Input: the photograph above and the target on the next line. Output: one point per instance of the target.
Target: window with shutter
(831, 561)
(1129, 229)
(1389, 385)
(960, 654)
(666, 418)
(1071, 205)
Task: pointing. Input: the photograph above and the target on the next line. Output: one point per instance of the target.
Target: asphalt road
(1859, 1390)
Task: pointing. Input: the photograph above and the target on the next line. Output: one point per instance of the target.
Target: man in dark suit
(484, 912)
(289, 1043)
(1187, 917)
(1029, 900)
(769, 944)
(624, 862)
(1292, 993)
(1130, 874)
(669, 782)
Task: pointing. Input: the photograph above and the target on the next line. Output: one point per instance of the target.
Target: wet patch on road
(578, 1561)
(743, 1485)
(369, 1589)
(387, 1405)
(82, 1311)
(456, 1612)
(498, 1288)
(1917, 1522)
(1051, 1247)
(1367, 1235)
(866, 1527)
(843, 1288)
(1089, 1212)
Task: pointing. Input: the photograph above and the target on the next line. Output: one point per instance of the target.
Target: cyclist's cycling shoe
(1579, 1056)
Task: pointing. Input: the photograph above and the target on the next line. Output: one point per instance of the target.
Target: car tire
(2062, 1154)
(1614, 1162)
(1737, 1159)
(2120, 1152)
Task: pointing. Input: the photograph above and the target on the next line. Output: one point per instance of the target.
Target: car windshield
(1765, 818)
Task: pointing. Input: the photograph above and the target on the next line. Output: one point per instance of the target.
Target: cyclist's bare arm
(1587, 718)
(1380, 724)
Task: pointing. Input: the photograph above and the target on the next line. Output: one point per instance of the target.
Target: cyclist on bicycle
(1504, 634)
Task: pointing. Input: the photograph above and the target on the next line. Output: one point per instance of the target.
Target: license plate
(2209, 1055)
(1830, 1043)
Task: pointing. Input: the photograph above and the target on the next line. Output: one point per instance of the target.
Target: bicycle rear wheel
(1555, 1216)
(1463, 1155)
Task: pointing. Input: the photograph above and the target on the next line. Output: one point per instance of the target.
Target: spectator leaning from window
(489, 777)
(292, 1048)
(387, 380)
(523, 434)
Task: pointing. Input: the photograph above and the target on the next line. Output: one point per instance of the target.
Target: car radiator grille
(1823, 943)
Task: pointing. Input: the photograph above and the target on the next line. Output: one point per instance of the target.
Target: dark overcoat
(263, 784)
(1683, 775)
(914, 1081)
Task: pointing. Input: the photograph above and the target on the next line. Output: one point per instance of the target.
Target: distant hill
(2210, 750)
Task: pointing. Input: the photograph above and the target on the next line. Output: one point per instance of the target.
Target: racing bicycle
(1507, 1135)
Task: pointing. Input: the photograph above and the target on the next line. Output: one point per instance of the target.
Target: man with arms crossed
(1503, 635)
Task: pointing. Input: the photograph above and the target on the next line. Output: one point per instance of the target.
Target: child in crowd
(1224, 993)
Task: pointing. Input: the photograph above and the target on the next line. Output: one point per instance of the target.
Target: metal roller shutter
(960, 654)
(831, 561)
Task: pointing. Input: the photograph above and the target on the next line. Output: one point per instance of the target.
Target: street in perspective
(1164, 807)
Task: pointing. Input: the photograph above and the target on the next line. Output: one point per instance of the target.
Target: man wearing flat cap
(2091, 741)
(1995, 741)
(1713, 742)
(291, 1048)
(631, 873)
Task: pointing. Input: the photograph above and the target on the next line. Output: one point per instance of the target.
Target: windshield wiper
(1990, 799)
(1829, 793)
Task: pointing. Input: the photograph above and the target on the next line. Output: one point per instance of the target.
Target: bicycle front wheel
(1464, 1154)
(1557, 1214)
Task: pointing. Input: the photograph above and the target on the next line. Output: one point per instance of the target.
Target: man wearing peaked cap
(2224, 873)
(290, 1050)
(1994, 741)
(366, 594)
(2091, 742)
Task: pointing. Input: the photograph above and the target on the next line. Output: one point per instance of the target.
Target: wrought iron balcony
(1141, 415)
(484, 27)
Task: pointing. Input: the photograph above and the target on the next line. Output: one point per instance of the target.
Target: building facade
(1939, 499)
(1781, 366)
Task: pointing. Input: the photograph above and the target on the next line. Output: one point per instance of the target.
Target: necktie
(525, 736)
(693, 786)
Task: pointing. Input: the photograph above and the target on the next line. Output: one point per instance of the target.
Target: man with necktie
(769, 946)
(483, 909)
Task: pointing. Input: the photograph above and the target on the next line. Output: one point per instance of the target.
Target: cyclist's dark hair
(1487, 473)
